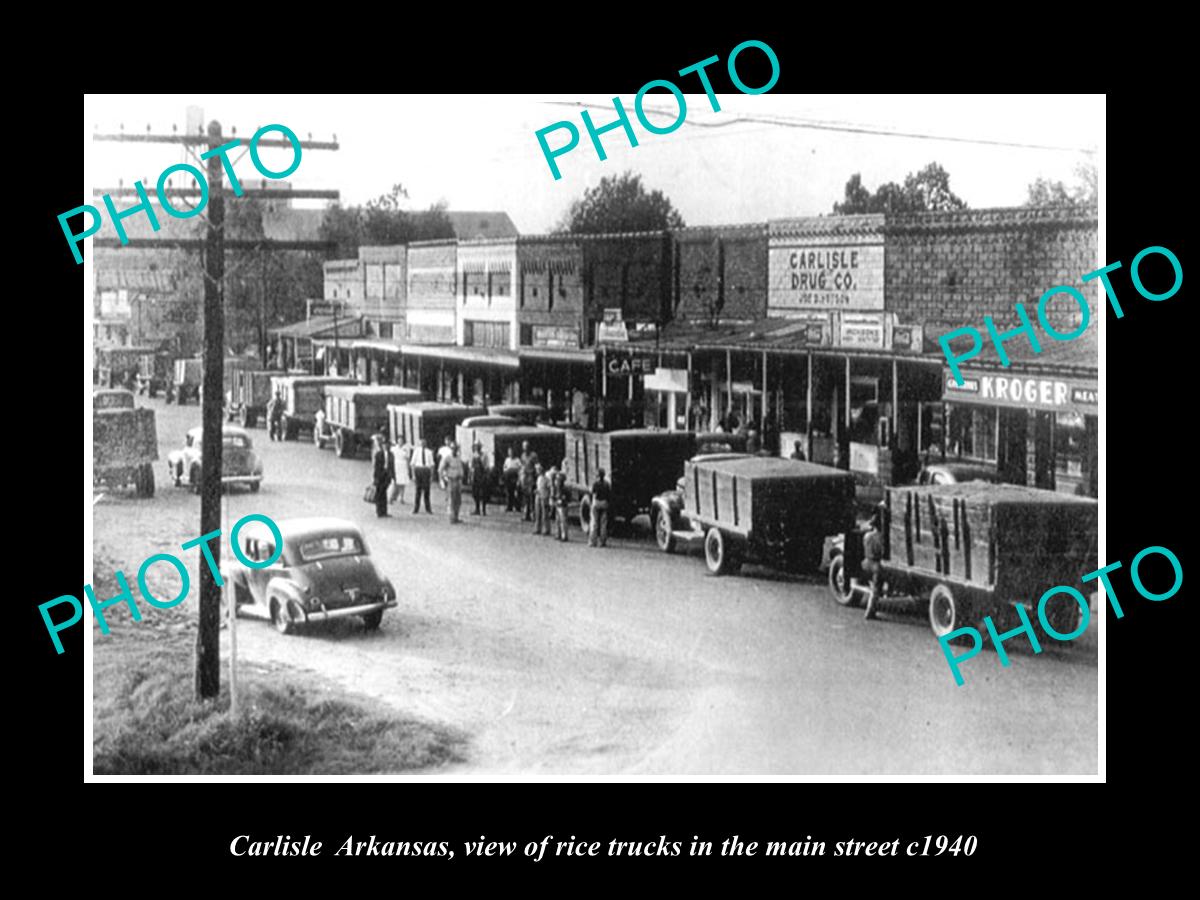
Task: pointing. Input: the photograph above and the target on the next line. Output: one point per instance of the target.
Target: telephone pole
(208, 647)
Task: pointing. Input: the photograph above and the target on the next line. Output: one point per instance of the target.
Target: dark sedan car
(324, 571)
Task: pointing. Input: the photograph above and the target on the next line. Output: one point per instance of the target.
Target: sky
(480, 152)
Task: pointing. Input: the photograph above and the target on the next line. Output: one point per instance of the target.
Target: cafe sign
(1023, 391)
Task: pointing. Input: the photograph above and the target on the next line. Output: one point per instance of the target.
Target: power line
(818, 125)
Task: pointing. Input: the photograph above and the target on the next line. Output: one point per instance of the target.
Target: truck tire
(585, 512)
(808, 553)
(372, 620)
(343, 442)
(721, 553)
(145, 480)
(949, 611)
(1063, 614)
(663, 534)
(839, 583)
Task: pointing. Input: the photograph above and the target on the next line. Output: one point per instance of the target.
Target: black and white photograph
(690, 433)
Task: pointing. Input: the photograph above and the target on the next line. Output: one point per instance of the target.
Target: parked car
(239, 463)
(958, 472)
(324, 571)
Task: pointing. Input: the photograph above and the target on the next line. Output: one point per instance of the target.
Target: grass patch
(146, 721)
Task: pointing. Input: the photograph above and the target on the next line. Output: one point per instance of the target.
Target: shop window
(526, 335)
(1070, 442)
(973, 432)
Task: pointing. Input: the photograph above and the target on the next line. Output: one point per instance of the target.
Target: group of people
(529, 488)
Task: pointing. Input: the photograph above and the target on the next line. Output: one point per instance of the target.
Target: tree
(263, 287)
(383, 221)
(620, 203)
(928, 189)
(1044, 192)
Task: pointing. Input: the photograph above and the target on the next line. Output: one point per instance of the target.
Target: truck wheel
(1064, 615)
(343, 440)
(254, 486)
(839, 583)
(720, 555)
(948, 612)
(585, 512)
(194, 479)
(145, 480)
(281, 617)
(372, 620)
(663, 534)
(290, 428)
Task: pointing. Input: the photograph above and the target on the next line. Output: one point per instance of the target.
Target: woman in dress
(403, 472)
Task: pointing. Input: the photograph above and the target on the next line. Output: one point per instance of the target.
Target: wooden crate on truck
(975, 548)
(356, 412)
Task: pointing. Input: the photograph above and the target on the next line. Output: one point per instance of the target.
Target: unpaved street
(563, 659)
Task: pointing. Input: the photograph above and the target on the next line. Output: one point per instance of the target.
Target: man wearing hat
(384, 472)
(481, 480)
(873, 558)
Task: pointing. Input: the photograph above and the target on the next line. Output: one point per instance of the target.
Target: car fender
(285, 589)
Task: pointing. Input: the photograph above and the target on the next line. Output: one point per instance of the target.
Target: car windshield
(235, 440)
(330, 545)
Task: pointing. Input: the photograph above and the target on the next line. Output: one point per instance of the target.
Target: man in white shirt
(422, 470)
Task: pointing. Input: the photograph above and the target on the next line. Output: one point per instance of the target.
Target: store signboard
(862, 330)
(815, 329)
(556, 336)
(612, 327)
(668, 380)
(825, 272)
(1048, 393)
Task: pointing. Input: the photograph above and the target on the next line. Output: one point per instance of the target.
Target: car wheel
(839, 582)
(371, 620)
(254, 486)
(719, 553)
(663, 534)
(145, 481)
(194, 479)
(585, 512)
(281, 617)
(948, 612)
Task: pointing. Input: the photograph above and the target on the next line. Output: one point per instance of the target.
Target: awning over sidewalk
(480, 356)
(321, 327)
(559, 354)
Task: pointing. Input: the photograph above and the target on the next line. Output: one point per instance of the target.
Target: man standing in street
(601, 497)
(529, 476)
(512, 481)
(384, 466)
(422, 469)
(558, 498)
(541, 500)
(275, 417)
(452, 471)
(481, 480)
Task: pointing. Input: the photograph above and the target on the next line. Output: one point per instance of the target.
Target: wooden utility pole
(208, 637)
(208, 647)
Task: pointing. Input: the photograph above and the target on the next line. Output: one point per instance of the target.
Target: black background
(1148, 402)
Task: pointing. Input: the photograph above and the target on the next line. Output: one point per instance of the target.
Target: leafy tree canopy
(383, 221)
(620, 203)
(928, 189)
(1044, 192)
